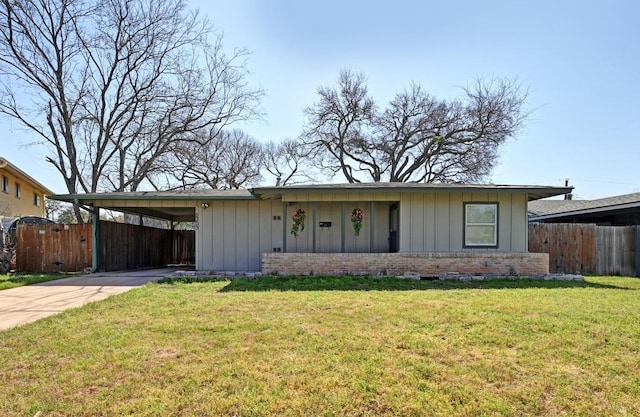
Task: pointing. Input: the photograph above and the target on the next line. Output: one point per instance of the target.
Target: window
(36, 199)
(18, 190)
(5, 184)
(481, 225)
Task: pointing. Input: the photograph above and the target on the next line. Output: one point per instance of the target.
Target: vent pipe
(567, 196)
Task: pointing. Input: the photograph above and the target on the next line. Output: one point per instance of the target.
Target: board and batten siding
(232, 234)
(330, 239)
(434, 222)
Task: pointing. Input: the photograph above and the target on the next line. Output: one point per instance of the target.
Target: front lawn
(279, 346)
(18, 280)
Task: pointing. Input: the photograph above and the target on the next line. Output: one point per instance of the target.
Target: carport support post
(173, 243)
(95, 248)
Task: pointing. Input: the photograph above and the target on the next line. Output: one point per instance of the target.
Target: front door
(394, 227)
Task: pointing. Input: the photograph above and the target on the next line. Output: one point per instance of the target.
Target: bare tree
(229, 160)
(288, 161)
(53, 208)
(417, 137)
(65, 214)
(112, 85)
(337, 128)
(240, 162)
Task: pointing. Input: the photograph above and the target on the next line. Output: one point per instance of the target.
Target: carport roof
(160, 195)
(176, 205)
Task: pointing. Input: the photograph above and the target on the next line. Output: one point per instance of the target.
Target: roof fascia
(87, 198)
(534, 193)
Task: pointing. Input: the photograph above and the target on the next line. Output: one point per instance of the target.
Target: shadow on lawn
(350, 283)
(19, 280)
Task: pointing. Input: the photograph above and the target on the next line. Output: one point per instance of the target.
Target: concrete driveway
(32, 302)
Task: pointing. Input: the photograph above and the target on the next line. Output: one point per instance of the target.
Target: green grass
(18, 280)
(334, 347)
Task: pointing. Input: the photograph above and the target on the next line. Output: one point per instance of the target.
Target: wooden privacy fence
(616, 250)
(576, 248)
(68, 248)
(129, 246)
(53, 247)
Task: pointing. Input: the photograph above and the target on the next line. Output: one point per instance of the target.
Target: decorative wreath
(298, 217)
(356, 220)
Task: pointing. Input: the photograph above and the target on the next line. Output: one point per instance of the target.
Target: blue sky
(580, 60)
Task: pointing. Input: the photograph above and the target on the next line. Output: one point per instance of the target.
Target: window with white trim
(5, 184)
(481, 225)
(18, 190)
(36, 199)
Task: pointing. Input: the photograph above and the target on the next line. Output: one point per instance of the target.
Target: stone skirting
(423, 264)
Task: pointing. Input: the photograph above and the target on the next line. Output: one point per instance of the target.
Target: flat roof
(159, 195)
(153, 206)
(535, 192)
(130, 202)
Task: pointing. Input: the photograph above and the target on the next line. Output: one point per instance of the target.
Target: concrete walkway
(32, 302)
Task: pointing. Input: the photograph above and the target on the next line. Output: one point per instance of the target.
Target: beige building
(20, 195)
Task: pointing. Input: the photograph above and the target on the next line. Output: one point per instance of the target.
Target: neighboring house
(620, 210)
(20, 195)
(429, 229)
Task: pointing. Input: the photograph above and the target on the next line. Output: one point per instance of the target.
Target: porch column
(284, 227)
(372, 229)
(172, 238)
(314, 221)
(343, 227)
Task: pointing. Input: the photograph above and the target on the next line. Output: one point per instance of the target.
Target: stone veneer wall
(424, 264)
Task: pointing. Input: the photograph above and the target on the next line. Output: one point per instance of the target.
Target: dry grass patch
(207, 349)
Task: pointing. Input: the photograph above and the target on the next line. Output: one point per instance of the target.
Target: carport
(128, 246)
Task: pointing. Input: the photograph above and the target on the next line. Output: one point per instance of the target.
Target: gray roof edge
(385, 186)
(157, 195)
(581, 212)
(534, 191)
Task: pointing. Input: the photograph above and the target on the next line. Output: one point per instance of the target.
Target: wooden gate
(53, 247)
(576, 248)
(616, 250)
(571, 247)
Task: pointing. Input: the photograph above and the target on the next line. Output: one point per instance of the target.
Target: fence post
(95, 249)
